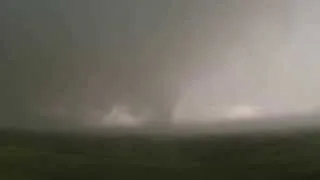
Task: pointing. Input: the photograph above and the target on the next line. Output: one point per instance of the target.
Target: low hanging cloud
(121, 116)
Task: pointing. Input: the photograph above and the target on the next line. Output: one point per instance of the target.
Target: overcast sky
(159, 54)
(273, 68)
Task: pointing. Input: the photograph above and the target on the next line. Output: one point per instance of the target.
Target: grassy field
(47, 156)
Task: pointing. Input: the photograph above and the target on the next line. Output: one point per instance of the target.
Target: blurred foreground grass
(48, 156)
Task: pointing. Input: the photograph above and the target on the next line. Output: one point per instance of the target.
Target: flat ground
(62, 156)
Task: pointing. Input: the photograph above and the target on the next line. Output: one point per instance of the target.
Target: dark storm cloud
(71, 50)
(94, 54)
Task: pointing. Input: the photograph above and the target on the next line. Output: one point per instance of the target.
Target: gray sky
(89, 55)
(275, 71)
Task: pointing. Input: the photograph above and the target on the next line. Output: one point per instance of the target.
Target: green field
(41, 156)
